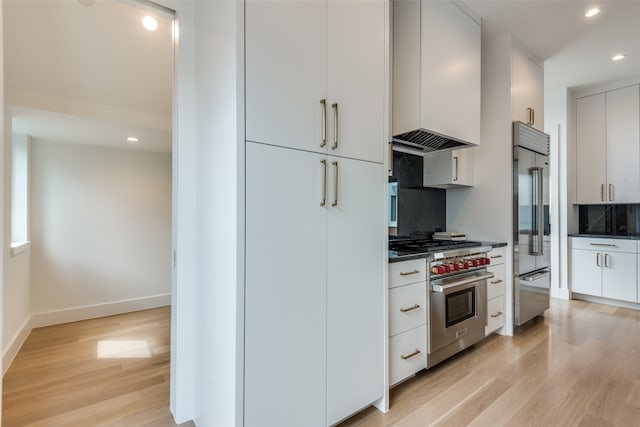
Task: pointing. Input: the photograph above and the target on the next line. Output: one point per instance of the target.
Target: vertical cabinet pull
(324, 182)
(335, 188)
(335, 126)
(602, 192)
(611, 193)
(455, 168)
(532, 116)
(606, 260)
(390, 158)
(598, 259)
(323, 102)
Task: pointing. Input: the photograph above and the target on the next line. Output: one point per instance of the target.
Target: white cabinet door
(619, 276)
(285, 72)
(285, 309)
(591, 150)
(356, 256)
(449, 169)
(527, 89)
(586, 273)
(450, 67)
(356, 78)
(623, 145)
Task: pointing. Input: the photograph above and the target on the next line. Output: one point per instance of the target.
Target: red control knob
(447, 269)
(465, 265)
(475, 262)
(487, 261)
(456, 267)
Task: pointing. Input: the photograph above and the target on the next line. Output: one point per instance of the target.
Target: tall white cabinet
(315, 192)
(608, 147)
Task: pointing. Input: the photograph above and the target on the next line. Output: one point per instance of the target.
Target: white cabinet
(315, 81)
(314, 333)
(408, 314)
(495, 291)
(605, 268)
(608, 147)
(527, 90)
(449, 169)
(437, 65)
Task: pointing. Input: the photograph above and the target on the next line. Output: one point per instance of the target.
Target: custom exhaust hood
(436, 76)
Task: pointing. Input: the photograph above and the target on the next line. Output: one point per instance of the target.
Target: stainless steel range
(457, 279)
(457, 292)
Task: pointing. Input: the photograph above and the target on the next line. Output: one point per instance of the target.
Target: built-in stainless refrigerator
(531, 245)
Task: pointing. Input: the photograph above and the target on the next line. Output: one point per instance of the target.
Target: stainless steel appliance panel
(531, 296)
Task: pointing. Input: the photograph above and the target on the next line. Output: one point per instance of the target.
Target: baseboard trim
(56, 317)
(560, 293)
(16, 344)
(75, 314)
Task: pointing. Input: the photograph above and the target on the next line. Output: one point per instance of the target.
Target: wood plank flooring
(577, 366)
(58, 378)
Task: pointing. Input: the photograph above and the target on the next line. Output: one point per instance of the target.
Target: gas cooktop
(403, 246)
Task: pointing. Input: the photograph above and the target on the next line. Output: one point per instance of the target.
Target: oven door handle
(461, 283)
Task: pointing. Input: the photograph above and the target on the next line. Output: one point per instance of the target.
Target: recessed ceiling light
(150, 23)
(132, 139)
(618, 57)
(592, 12)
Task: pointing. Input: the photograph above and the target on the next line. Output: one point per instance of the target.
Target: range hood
(436, 76)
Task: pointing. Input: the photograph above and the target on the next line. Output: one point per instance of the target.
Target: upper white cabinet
(314, 80)
(527, 90)
(608, 147)
(449, 169)
(436, 65)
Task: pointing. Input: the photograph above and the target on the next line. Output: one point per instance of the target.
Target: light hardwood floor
(577, 366)
(57, 378)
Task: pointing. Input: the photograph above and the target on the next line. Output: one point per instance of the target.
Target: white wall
(219, 121)
(101, 225)
(16, 275)
(2, 206)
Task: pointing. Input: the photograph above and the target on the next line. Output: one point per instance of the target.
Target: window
(20, 147)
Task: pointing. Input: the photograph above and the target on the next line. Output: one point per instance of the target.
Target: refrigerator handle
(537, 234)
(540, 211)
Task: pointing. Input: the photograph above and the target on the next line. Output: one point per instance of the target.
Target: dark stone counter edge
(418, 256)
(607, 236)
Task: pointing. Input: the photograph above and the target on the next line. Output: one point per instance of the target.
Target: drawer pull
(498, 314)
(496, 256)
(404, 310)
(409, 273)
(609, 245)
(495, 282)
(408, 356)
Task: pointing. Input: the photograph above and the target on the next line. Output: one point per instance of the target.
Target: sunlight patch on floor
(123, 349)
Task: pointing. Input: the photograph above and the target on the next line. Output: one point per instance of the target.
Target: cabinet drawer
(495, 285)
(401, 348)
(607, 245)
(497, 255)
(495, 314)
(407, 307)
(407, 272)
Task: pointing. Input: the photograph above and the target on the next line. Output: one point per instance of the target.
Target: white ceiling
(92, 55)
(576, 51)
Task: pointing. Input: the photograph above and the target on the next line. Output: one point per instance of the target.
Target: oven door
(457, 308)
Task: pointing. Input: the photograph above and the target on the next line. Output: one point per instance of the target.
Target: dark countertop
(394, 257)
(607, 236)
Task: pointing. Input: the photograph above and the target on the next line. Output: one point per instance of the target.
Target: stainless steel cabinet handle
(606, 260)
(532, 117)
(415, 306)
(409, 273)
(410, 355)
(324, 122)
(324, 182)
(498, 314)
(598, 259)
(495, 282)
(335, 126)
(455, 173)
(609, 245)
(602, 192)
(335, 186)
(611, 197)
(390, 158)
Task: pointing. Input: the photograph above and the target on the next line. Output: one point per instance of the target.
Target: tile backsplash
(420, 209)
(609, 219)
